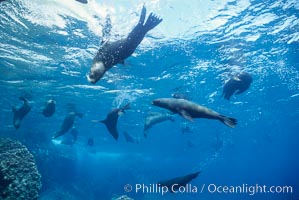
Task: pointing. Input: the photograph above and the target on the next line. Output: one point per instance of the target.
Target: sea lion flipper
(186, 115)
(241, 90)
(151, 22)
(228, 121)
(111, 128)
(142, 15)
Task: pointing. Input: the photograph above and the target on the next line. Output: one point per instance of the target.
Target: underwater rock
(19, 177)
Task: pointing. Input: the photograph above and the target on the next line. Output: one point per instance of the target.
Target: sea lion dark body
(111, 120)
(240, 83)
(50, 108)
(112, 53)
(82, 1)
(19, 114)
(175, 183)
(190, 110)
(155, 118)
(67, 124)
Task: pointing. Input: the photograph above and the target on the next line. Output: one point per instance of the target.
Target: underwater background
(46, 52)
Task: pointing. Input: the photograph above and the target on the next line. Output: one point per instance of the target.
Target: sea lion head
(162, 102)
(97, 71)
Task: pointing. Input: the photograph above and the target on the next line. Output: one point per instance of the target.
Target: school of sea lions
(112, 53)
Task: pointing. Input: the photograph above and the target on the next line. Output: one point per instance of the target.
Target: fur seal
(112, 53)
(19, 114)
(111, 120)
(49, 109)
(90, 142)
(67, 124)
(240, 83)
(130, 139)
(175, 183)
(155, 118)
(82, 1)
(190, 110)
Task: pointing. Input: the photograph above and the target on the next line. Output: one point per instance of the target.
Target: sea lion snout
(96, 72)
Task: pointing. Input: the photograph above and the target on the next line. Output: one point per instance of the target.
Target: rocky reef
(19, 177)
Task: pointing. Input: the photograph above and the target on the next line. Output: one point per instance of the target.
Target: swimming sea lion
(49, 109)
(82, 1)
(67, 124)
(190, 110)
(112, 53)
(240, 83)
(111, 120)
(130, 138)
(175, 183)
(155, 118)
(19, 114)
(90, 142)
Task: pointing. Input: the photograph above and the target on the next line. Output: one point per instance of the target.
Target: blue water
(46, 52)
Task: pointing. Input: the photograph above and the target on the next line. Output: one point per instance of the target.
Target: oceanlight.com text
(208, 188)
(249, 189)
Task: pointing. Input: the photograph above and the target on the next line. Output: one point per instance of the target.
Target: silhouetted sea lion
(82, 1)
(130, 138)
(19, 114)
(174, 184)
(240, 83)
(112, 53)
(49, 109)
(155, 118)
(90, 142)
(190, 110)
(67, 124)
(111, 120)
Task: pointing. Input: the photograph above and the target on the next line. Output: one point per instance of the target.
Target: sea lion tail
(112, 129)
(228, 121)
(151, 22)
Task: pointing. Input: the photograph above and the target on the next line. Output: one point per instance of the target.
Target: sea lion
(175, 183)
(49, 109)
(155, 118)
(90, 142)
(19, 114)
(190, 110)
(111, 120)
(240, 83)
(130, 139)
(112, 53)
(67, 124)
(82, 1)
